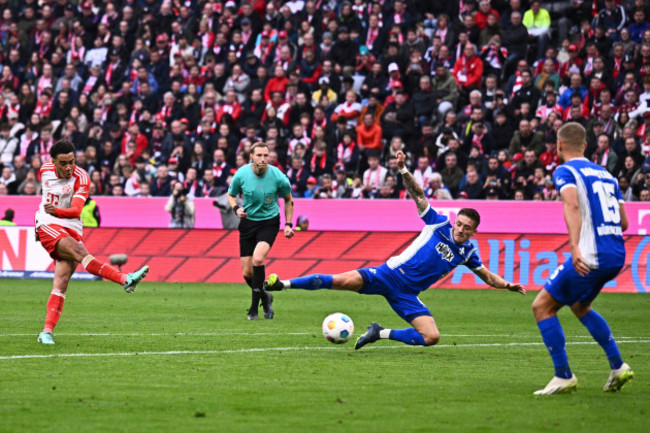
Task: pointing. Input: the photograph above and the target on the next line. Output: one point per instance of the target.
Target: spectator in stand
(276, 84)
(374, 176)
(349, 110)
(423, 172)
(452, 174)
(525, 139)
(397, 118)
(468, 70)
(538, 22)
(472, 188)
(515, 40)
(161, 185)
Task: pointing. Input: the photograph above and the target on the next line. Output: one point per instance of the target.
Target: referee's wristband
(404, 170)
(289, 224)
(236, 208)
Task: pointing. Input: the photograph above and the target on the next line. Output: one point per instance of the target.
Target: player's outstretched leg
(309, 282)
(620, 373)
(371, 335)
(128, 281)
(375, 332)
(134, 278)
(273, 284)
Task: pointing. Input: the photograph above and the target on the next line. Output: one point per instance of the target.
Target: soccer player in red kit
(59, 229)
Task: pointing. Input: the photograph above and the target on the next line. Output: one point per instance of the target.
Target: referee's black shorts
(252, 232)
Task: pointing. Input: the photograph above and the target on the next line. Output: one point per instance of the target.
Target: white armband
(404, 170)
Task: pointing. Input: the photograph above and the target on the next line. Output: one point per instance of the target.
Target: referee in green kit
(259, 185)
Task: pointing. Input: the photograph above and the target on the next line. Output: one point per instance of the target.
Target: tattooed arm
(412, 186)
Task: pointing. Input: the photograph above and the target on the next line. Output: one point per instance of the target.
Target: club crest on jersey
(445, 251)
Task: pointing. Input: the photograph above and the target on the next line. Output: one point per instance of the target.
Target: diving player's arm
(412, 186)
(498, 282)
(573, 219)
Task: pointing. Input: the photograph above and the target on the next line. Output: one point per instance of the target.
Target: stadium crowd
(157, 93)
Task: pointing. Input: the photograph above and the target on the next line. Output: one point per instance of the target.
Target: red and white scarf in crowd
(43, 110)
(318, 162)
(217, 169)
(306, 141)
(90, 84)
(42, 84)
(372, 36)
(518, 82)
(109, 71)
(367, 178)
(344, 153)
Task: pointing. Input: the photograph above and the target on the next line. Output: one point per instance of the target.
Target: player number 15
(608, 202)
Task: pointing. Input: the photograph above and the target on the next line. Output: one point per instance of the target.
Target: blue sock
(599, 329)
(312, 282)
(553, 337)
(408, 336)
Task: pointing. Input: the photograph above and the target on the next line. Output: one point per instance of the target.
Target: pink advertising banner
(344, 215)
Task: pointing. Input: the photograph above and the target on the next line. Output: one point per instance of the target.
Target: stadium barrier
(344, 215)
(211, 256)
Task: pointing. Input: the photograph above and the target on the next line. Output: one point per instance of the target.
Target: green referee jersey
(260, 193)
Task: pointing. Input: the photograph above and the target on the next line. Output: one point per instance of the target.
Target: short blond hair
(258, 144)
(572, 135)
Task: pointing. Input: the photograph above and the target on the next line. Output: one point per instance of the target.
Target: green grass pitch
(183, 358)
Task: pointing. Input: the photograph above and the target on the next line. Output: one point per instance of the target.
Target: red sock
(54, 308)
(103, 270)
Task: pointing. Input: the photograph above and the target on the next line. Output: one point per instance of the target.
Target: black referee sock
(257, 284)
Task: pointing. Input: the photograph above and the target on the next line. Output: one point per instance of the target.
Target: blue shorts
(405, 302)
(568, 287)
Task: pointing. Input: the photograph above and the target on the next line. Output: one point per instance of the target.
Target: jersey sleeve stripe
(81, 174)
(425, 211)
(567, 186)
(80, 196)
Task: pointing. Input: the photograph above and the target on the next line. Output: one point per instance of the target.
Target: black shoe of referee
(267, 305)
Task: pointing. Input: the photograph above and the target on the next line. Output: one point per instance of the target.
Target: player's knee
(539, 308)
(431, 338)
(258, 261)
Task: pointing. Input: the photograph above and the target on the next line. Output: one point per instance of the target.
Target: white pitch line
(218, 334)
(160, 334)
(280, 349)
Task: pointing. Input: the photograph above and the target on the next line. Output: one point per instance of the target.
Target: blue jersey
(432, 255)
(601, 235)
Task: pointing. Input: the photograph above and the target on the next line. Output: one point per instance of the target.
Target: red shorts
(50, 235)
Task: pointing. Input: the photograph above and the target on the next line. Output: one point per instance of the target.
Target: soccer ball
(338, 328)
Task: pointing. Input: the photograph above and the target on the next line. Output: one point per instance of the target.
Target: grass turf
(281, 375)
